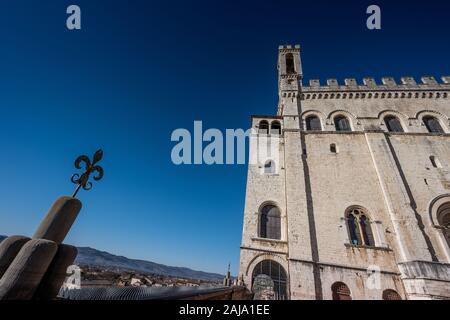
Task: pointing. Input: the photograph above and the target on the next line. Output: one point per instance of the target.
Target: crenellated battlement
(427, 83)
(289, 48)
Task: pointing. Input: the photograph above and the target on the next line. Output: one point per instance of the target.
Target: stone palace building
(355, 202)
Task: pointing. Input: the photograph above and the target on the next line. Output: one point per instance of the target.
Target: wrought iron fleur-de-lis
(91, 167)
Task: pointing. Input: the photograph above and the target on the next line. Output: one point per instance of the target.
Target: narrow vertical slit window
(435, 162)
(333, 148)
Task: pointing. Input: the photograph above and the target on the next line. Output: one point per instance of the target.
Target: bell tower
(290, 75)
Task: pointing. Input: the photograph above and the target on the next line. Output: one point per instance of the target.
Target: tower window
(393, 124)
(432, 124)
(275, 128)
(290, 66)
(269, 167)
(270, 223)
(359, 229)
(333, 148)
(263, 127)
(342, 124)
(313, 123)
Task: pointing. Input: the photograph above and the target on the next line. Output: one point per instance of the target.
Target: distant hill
(95, 258)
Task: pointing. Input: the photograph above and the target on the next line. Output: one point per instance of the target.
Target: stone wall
(389, 175)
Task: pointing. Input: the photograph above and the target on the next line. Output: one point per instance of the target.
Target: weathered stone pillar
(9, 248)
(21, 279)
(59, 220)
(25, 269)
(56, 273)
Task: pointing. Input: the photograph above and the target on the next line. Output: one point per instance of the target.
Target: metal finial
(83, 180)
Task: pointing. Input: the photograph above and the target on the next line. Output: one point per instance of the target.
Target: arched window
(269, 167)
(341, 123)
(263, 127)
(278, 275)
(359, 230)
(270, 223)
(290, 66)
(393, 124)
(340, 291)
(432, 124)
(275, 128)
(313, 123)
(390, 294)
(443, 217)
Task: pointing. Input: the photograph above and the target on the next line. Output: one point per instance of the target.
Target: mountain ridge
(95, 258)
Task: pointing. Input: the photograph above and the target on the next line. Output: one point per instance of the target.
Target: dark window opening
(333, 148)
(366, 231)
(290, 66)
(263, 127)
(393, 124)
(275, 128)
(313, 123)
(432, 124)
(342, 124)
(269, 167)
(359, 229)
(270, 223)
(353, 230)
(435, 162)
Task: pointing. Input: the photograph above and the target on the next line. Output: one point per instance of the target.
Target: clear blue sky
(138, 70)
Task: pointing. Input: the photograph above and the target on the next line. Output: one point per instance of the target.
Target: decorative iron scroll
(90, 167)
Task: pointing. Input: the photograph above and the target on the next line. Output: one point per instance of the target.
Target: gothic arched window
(443, 217)
(278, 275)
(275, 128)
(342, 124)
(263, 127)
(359, 230)
(290, 66)
(340, 291)
(432, 124)
(390, 294)
(270, 223)
(393, 124)
(313, 123)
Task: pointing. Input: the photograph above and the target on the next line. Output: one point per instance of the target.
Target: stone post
(21, 279)
(9, 248)
(56, 273)
(41, 262)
